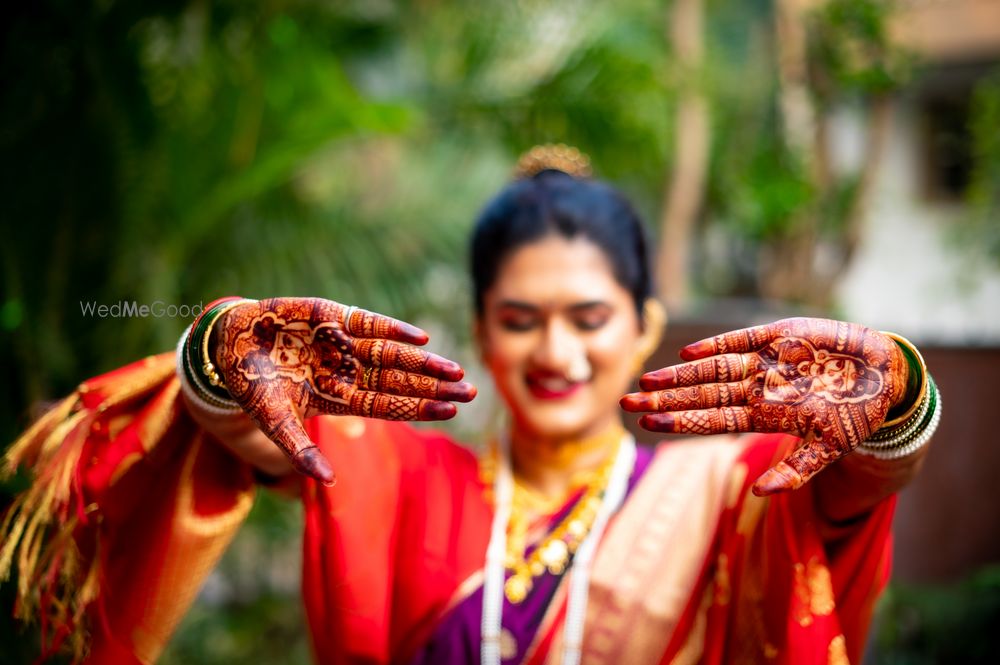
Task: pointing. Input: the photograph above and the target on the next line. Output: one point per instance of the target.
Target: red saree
(133, 505)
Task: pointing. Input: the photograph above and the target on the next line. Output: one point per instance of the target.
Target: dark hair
(553, 202)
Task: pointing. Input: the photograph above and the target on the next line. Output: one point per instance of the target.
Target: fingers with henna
(744, 340)
(722, 420)
(717, 369)
(796, 469)
(410, 384)
(397, 407)
(356, 322)
(385, 354)
(369, 325)
(691, 397)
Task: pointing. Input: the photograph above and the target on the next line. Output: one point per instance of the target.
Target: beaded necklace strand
(605, 503)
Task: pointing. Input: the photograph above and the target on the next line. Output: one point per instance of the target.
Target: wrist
(196, 389)
(199, 355)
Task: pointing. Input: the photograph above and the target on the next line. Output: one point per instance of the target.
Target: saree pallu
(696, 569)
(130, 508)
(133, 504)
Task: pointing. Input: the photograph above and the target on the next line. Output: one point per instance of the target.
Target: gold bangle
(208, 367)
(908, 345)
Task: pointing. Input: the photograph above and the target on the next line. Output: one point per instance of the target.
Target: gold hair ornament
(557, 157)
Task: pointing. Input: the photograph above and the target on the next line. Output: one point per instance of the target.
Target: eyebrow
(575, 307)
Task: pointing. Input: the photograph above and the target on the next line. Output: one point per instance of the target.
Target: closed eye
(589, 316)
(518, 323)
(517, 316)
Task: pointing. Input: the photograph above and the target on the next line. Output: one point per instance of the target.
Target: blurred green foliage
(928, 625)
(981, 224)
(851, 51)
(175, 151)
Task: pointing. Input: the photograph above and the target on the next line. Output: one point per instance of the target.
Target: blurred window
(944, 102)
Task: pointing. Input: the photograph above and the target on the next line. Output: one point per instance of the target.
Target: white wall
(910, 275)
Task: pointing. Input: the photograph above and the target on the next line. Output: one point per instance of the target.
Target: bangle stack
(902, 436)
(200, 380)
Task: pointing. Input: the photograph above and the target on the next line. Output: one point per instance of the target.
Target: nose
(559, 348)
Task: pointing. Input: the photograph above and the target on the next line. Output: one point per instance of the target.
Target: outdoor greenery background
(177, 151)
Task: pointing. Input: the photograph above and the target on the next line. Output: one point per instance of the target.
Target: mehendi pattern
(829, 382)
(287, 358)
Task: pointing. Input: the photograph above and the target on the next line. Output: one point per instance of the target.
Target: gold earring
(654, 319)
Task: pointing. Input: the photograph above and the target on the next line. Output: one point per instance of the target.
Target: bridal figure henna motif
(832, 383)
(287, 358)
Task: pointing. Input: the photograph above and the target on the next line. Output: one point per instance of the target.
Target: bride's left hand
(829, 382)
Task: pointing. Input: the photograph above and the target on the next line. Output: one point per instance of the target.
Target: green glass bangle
(192, 352)
(901, 434)
(192, 382)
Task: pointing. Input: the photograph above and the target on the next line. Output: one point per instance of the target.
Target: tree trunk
(686, 182)
(786, 263)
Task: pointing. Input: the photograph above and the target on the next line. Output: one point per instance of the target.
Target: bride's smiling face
(560, 336)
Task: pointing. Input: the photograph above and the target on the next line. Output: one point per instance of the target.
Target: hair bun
(553, 157)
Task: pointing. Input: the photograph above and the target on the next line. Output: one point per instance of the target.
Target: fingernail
(779, 478)
(697, 350)
(639, 402)
(314, 464)
(657, 422)
(439, 411)
(446, 369)
(658, 380)
(456, 392)
(413, 334)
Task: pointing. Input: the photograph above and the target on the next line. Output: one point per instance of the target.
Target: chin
(555, 423)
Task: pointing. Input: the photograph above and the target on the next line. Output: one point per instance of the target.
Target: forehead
(556, 270)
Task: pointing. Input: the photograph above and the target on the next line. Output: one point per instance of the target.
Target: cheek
(612, 357)
(505, 354)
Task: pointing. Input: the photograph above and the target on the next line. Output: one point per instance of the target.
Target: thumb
(279, 421)
(798, 467)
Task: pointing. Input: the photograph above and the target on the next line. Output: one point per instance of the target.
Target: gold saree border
(650, 560)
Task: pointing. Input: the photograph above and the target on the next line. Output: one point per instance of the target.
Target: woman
(565, 542)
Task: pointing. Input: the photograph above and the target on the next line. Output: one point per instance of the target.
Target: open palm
(283, 359)
(829, 382)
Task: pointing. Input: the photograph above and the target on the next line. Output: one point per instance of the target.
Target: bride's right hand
(283, 359)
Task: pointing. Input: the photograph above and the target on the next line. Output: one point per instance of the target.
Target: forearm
(853, 486)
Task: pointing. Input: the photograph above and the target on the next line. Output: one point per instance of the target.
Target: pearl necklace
(493, 582)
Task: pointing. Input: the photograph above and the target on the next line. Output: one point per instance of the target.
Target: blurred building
(929, 284)
(912, 274)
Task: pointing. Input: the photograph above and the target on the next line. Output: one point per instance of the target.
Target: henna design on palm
(831, 383)
(287, 358)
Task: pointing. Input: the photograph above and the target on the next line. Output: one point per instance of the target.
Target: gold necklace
(554, 551)
(568, 452)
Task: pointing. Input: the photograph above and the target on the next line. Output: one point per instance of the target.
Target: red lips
(548, 385)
